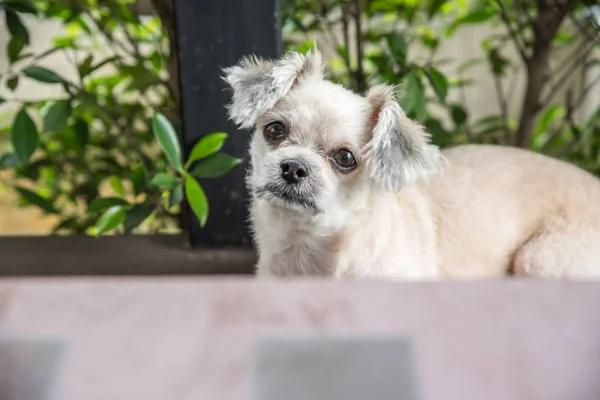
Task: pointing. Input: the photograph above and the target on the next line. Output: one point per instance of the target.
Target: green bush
(390, 31)
(89, 156)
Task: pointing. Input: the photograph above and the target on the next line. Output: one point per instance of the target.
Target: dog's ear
(259, 84)
(399, 150)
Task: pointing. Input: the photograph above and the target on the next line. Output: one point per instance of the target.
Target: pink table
(194, 338)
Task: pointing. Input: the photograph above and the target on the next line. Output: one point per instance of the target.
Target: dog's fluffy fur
(408, 210)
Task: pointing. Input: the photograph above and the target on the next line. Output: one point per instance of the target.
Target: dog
(346, 186)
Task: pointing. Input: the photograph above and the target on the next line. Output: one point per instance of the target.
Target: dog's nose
(293, 170)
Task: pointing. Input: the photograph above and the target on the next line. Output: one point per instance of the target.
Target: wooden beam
(117, 255)
(211, 35)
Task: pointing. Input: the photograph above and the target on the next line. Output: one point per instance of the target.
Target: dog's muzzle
(292, 191)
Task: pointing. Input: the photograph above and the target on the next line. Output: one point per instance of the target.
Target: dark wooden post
(212, 34)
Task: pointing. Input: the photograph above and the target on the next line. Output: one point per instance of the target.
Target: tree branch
(513, 34)
(594, 39)
(361, 82)
(330, 32)
(512, 86)
(346, 33)
(560, 81)
(567, 62)
(523, 9)
(546, 25)
(503, 105)
(584, 93)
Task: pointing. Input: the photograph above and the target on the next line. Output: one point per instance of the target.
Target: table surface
(195, 338)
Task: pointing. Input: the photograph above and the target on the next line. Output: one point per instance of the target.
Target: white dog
(347, 186)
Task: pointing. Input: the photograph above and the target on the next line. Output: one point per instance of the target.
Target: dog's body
(346, 186)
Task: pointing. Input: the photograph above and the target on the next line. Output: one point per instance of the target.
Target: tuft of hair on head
(258, 84)
(399, 151)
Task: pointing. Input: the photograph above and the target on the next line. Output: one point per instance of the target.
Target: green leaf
(144, 82)
(142, 78)
(490, 124)
(56, 118)
(438, 82)
(306, 46)
(468, 64)
(139, 179)
(156, 60)
(498, 62)
(82, 132)
(459, 115)
(342, 50)
(164, 180)
(25, 136)
(176, 195)
(398, 46)
(434, 7)
(35, 199)
(110, 219)
(13, 82)
(43, 75)
(135, 216)
(102, 63)
(475, 17)
(82, 23)
(21, 6)
(2, 100)
(540, 134)
(438, 134)
(102, 203)
(206, 146)
(64, 42)
(15, 26)
(428, 37)
(550, 115)
(196, 199)
(116, 184)
(14, 48)
(215, 166)
(385, 6)
(414, 101)
(167, 139)
(86, 65)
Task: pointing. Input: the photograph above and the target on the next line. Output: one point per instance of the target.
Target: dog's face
(307, 150)
(317, 147)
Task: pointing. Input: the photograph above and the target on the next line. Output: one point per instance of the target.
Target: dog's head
(318, 147)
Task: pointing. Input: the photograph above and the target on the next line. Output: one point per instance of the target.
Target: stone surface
(326, 367)
(194, 338)
(28, 368)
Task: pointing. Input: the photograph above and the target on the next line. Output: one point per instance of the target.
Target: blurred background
(81, 79)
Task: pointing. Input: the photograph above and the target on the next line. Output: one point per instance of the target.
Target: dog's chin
(287, 201)
(290, 206)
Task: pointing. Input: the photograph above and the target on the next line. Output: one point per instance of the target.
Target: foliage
(99, 157)
(117, 212)
(88, 154)
(397, 41)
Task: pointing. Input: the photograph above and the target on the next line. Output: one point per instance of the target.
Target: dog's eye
(274, 131)
(344, 160)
